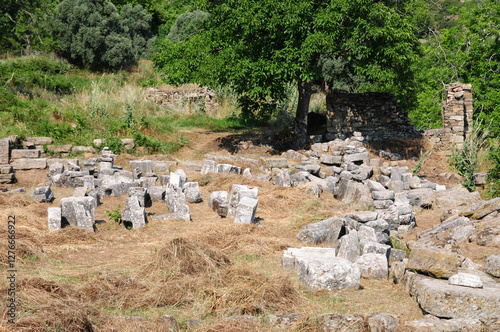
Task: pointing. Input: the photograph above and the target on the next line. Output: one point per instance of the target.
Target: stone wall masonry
(375, 115)
(456, 113)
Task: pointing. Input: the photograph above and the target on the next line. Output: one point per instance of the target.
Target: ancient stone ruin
(376, 115)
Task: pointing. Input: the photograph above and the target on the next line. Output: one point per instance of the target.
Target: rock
(355, 194)
(363, 216)
(275, 162)
(373, 266)
(423, 197)
(39, 140)
(444, 325)
(216, 194)
(315, 189)
(43, 194)
(54, 218)
(192, 192)
(325, 231)
(435, 262)
(492, 265)
(128, 143)
(134, 214)
(71, 212)
(396, 186)
(245, 210)
(292, 256)
(382, 322)
(439, 298)
(228, 169)
(334, 273)
(487, 236)
(16, 191)
(25, 164)
(357, 158)
(221, 206)
(329, 159)
(177, 179)
(59, 148)
(466, 280)
(247, 172)
(462, 233)
(82, 149)
(146, 166)
(209, 166)
(479, 179)
(142, 195)
(157, 194)
(24, 153)
(445, 226)
(454, 198)
(284, 320)
(163, 166)
(338, 323)
(283, 179)
(482, 208)
(397, 271)
(383, 195)
(349, 246)
(376, 248)
(167, 323)
(237, 193)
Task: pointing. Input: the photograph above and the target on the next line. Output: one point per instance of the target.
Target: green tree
(260, 46)
(92, 34)
(186, 25)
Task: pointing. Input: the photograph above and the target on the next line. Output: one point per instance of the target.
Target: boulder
(363, 216)
(283, 179)
(454, 222)
(146, 166)
(71, 211)
(482, 208)
(209, 166)
(292, 256)
(423, 197)
(326, 231)
(435, 262)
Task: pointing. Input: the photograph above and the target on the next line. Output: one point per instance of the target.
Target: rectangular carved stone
(25, 153)
(26, 163)
(4, 151)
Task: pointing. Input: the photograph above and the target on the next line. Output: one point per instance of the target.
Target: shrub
(92, 33)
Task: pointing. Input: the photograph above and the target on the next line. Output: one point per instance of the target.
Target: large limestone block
(4, 151)
(453, 198)
(25, 153)
(54, 218)
(209, 166)
(373, 266)
(292, 256)
(222, 195)
(192, 192)
(439, 298)
(355, 194)
(383, 322)
(237, 193)
(245, 211)
(146, 166)
(275, 162)
(483, 208)
(28, 163)
(324, 231)
(444, 325)
(283, 179)
(134, 214)
(423, 197)
(349, 246)
(71, 211)
(435, 262)
(336, 273)
(455, 222)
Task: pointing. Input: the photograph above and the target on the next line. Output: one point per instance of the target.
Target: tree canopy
(260, 46)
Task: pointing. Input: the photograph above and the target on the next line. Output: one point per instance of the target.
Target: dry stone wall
(376, 115)
(457, 117)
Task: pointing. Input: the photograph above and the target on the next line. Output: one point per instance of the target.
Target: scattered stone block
(275, 162)
(82, 149)
(54, 218)
(59, 148)
(237, 193)
(444, 325)
(439, 298)
(43, 194)
(157, 194)
(192, 192)
(4, 151)
(134, 214)
(28, 163)
(349, 246)
(492, 266)
(326, 231)
(228, 169)
(209, 166)
(245, 211)
(435, 262)
(466, 280)
(284, 320)
(339, 322)
(363, 216)
(142, 194)
(283, 179)
(73, 208)
(128, 143)
(329, 159)
(373, 266)
(24, 153)
(423, 197)
(146, 166)
(382, 322)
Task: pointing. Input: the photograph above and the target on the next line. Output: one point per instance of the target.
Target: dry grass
(207, 269)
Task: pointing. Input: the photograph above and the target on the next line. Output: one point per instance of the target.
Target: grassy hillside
(43, 96)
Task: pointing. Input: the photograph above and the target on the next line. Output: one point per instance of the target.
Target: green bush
(92, 33)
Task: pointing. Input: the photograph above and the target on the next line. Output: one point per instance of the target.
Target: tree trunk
(300, 122)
